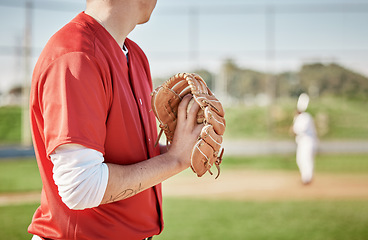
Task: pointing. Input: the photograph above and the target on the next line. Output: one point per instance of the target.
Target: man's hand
(186, 133)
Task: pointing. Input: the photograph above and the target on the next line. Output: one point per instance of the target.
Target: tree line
(317, 79)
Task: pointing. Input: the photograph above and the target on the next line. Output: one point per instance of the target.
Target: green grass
(218, 219)
(10, 124)
(335, 118)
(246, 122)
(262, 162)
(331, 163)
(215, 219)
(19, 175)
(346, 118)
(14, 221)
(224, 219)
(343, 163)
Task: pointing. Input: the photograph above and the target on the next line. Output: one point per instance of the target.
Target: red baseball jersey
(84, 91)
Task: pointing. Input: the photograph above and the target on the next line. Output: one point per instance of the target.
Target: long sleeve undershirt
(80, 175)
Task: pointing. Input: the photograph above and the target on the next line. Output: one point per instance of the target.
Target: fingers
(183, 112)
(198, 128)
(182, 108)
(193, 111)
(187, 119)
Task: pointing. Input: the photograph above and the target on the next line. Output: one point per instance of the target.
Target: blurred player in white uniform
(306, 139)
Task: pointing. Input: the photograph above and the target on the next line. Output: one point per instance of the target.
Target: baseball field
(257, 197)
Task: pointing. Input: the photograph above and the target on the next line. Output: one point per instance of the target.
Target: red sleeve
(74, 102)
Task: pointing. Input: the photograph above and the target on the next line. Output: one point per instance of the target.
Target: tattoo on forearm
(124, 194)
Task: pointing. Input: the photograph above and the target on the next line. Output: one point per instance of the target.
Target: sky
(183, 35)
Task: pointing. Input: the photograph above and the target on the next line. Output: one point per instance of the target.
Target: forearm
(83, 178)
(127, 180)
(84, 181)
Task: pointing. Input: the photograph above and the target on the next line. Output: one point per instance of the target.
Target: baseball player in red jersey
(94, 133)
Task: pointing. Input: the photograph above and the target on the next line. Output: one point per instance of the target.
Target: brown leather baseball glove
(165, 101)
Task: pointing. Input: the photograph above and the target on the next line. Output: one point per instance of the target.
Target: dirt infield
(267, 185)
(248, 185)
(19, 198)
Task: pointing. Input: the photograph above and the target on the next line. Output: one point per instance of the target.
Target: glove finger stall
(211, 138)
(202, 157)
(215, 120)
(184, 83)
(181, 88)
(211, 101)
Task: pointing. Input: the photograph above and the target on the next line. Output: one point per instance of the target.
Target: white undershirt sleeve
(80, 175)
